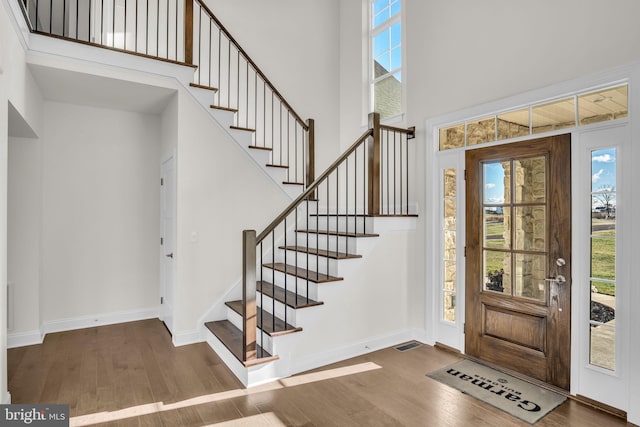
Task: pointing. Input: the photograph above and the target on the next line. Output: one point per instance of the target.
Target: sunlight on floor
(156, 407)
(268, 419)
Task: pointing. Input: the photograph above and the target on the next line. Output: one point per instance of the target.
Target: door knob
(559, 279)
(169, 255)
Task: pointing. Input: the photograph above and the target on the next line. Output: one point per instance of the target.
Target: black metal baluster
(273, 276)
(200, 46)
(307, 214)
(295, 245)
(219, 66)
(136, 28)
(158, 28)
(346, 209)
(89, 34)
(337, 215)
(261, 297)
(328, 237)
(355, 193)
(210, 32)
(286, 276)
(228, 73)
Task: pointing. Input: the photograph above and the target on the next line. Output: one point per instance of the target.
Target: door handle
(169, 255)
(559, 279)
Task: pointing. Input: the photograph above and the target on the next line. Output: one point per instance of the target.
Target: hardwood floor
(111, 375)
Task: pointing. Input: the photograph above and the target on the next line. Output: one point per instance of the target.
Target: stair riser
(278, 278)
(264, 340)
(340, 223)
(224, 117)
(327, 242)
(268, 305)
(206, 97)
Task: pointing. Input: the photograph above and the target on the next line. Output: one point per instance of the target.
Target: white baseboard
(22, 339)
(186, 338)
(352, 350)
(99, 320)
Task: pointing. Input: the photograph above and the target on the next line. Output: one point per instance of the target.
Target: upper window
(385, 38)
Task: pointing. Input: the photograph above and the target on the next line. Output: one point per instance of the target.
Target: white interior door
(168, 240)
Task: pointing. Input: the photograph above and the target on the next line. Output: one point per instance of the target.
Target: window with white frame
(385, 52)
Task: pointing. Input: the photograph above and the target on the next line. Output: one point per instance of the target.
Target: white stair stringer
(245, 139)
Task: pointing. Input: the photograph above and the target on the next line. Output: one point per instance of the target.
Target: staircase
(309, 250)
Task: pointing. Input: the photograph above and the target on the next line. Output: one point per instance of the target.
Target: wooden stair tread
(338, 233)
(302, 273)
(321, 252)
(272, 326)
(242, 128)
(217, 107)
(293, 300)
(277, 166)
(211, 88)
(231, 337)
(257, 147)
(293, 183)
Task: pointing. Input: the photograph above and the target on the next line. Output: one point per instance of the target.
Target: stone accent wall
(529, 224)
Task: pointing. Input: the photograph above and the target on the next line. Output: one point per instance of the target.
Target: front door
(518, 257)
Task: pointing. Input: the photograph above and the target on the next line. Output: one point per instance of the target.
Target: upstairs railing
(187, 32)
(370, 179)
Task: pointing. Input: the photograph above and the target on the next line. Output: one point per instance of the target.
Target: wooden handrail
(253, 64)
(309, 192)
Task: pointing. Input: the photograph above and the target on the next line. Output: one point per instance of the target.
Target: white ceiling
(97, 91)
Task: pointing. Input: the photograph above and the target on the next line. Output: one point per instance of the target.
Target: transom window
(385, 38)
(578, 110)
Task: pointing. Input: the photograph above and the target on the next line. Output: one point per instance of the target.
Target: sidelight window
(602, 327)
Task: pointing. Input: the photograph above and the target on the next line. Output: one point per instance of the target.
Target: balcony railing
(187, 32)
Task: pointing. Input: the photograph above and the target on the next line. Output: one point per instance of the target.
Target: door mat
(516, 397)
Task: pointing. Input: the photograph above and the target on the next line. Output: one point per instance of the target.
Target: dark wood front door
(518, 257)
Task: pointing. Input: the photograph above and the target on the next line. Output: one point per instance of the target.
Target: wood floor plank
(132, 364)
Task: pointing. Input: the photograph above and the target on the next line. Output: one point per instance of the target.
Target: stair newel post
(188, 31)
(311, 153)
(249, 345)
(373, 165)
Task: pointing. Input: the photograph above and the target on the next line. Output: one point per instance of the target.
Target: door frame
(451, 334)
(167, 284)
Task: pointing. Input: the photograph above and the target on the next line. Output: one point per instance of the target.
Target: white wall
(221, 191)
(100, 216)
(296, 44)
(24, 228)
